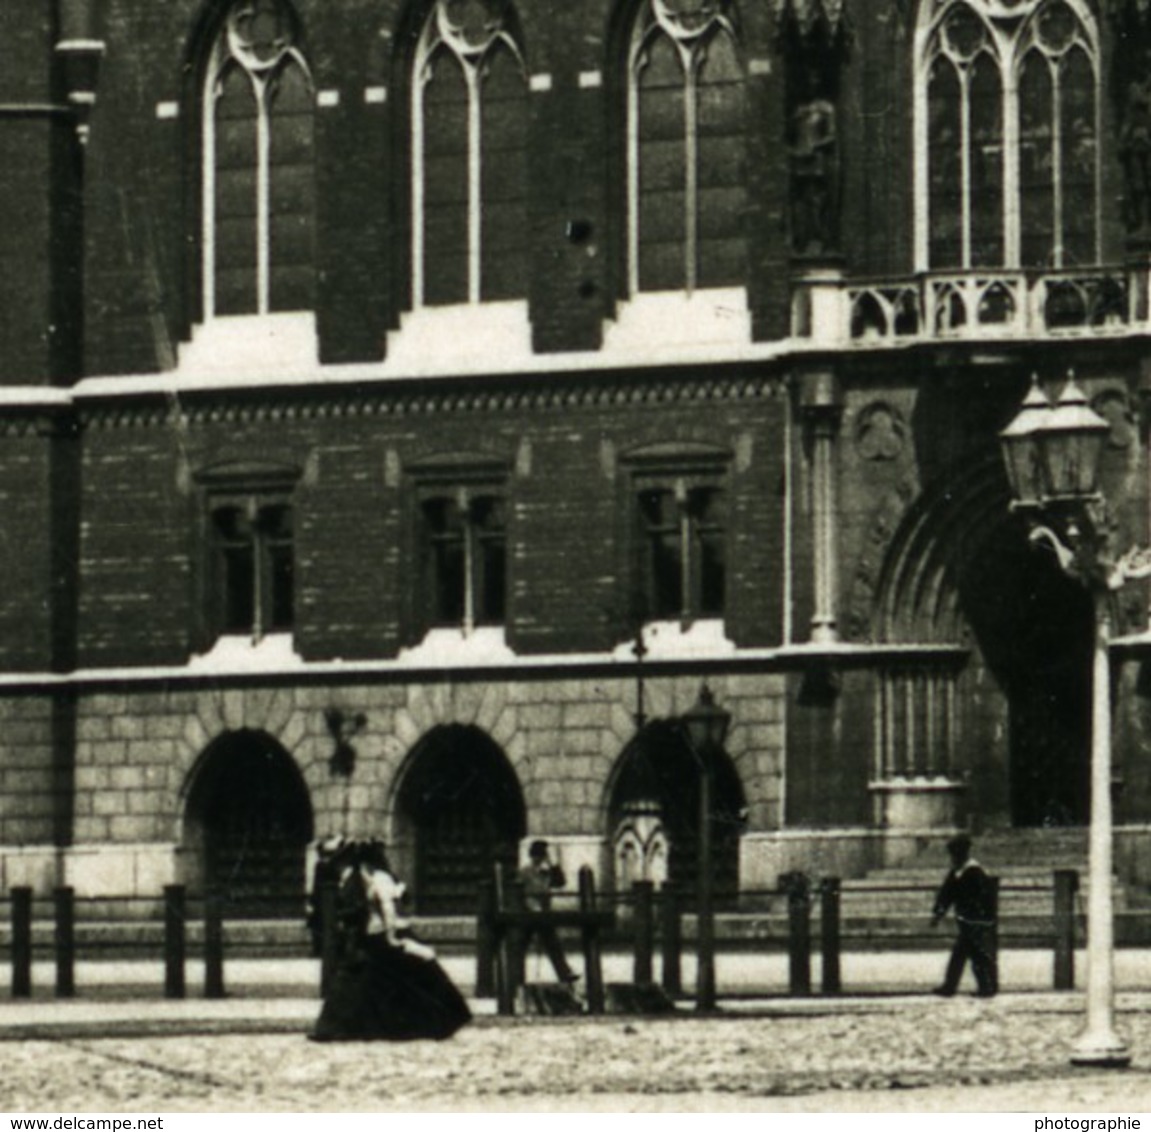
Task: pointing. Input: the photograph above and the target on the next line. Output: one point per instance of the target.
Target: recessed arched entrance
(459, 811)
(658, 773)
(1034, 626)
(248, 822)
(963, 571)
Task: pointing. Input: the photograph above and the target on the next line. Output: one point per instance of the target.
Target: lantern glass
(1020, 448)
(707, 722)
(1070, 444)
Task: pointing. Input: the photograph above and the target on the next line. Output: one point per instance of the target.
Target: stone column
(820, 401)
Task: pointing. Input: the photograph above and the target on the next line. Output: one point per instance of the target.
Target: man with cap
(968, 890)
(539, 876)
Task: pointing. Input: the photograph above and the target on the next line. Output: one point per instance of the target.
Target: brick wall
(143, 167)
(355, 564)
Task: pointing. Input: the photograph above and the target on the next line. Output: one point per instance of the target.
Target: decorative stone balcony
(971, 305)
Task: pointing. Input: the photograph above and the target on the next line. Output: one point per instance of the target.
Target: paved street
(879, 1053)
(886, 1045)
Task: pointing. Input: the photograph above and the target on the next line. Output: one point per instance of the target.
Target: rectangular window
(251, 576)
(465, 558)
(682, 564)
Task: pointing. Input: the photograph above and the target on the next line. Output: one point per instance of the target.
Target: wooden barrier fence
(648, 921)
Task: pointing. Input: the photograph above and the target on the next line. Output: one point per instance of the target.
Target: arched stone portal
(658, 774)
(459, 810)
(248, 822)
(962, 571)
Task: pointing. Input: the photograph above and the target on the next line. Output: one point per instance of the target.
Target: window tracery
(469, 133)
(258, 196)
(685, 184)
(1007, 122)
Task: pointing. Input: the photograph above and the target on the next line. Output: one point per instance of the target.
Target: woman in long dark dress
(388, 985)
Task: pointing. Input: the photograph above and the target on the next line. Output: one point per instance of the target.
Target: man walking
(968, 890)
(539, 876)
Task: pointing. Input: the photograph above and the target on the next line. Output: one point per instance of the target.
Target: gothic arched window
(685, 142)
(469, 156)
(258, 173)
(1007, 134)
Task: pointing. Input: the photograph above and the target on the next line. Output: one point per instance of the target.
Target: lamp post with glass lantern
(1052, 455)
(705, 725)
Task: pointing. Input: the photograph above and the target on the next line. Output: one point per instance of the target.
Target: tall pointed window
(258, 201)
(1007, 134)
(469, 156)
(685, 159)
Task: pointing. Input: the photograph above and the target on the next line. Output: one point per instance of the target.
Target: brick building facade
(405, 409)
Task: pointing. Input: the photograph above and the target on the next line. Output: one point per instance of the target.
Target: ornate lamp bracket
(1081, 536)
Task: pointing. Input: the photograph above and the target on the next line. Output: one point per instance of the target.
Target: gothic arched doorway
(459, 811)
(658, 772)
(963, 572)
(248, 820)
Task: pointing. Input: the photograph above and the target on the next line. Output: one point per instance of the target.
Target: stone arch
(247, 824)
(656, 775)
(457, 810)
(961, 571)
(939, 537)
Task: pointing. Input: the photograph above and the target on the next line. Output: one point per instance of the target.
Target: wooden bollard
(517, 938)
(213, 947)
(175, 941)
(671, 941)
(21, 898)
(592, 957)
(486, 940)
(643, 929)
(993, 899)
(64, 939)
(799, 935)
(1066, 886)
(510, 947)
(329, 933)
(829, 936)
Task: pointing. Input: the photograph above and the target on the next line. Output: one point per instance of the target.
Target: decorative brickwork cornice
(355, 401)
(19, 424)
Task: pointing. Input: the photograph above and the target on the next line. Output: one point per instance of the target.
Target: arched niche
(459, 810)
(247, 824)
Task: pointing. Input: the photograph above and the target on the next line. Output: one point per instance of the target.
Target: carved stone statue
(814, 178)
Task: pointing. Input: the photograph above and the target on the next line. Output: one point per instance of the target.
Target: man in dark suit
(968, 890)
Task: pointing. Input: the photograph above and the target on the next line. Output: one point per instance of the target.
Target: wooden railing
(802, 917)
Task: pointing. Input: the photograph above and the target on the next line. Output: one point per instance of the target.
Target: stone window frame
(256, 489)
(691, 34)
(685, 470)
(1011, 37)
(439, 33)
(464, 482)
(230, 49)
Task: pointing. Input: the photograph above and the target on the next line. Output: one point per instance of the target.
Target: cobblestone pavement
(911, 1053)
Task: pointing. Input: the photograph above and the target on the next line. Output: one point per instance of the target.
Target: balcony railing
(972, 305)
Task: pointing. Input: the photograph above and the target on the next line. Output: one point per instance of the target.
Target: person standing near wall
(539, 876)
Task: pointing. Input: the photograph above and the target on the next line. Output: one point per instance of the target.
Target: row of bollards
(502, 928)
(64, 943)
(666, 908)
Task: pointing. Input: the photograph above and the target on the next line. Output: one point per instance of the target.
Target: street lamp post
(1052, 455)
(705, 725)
